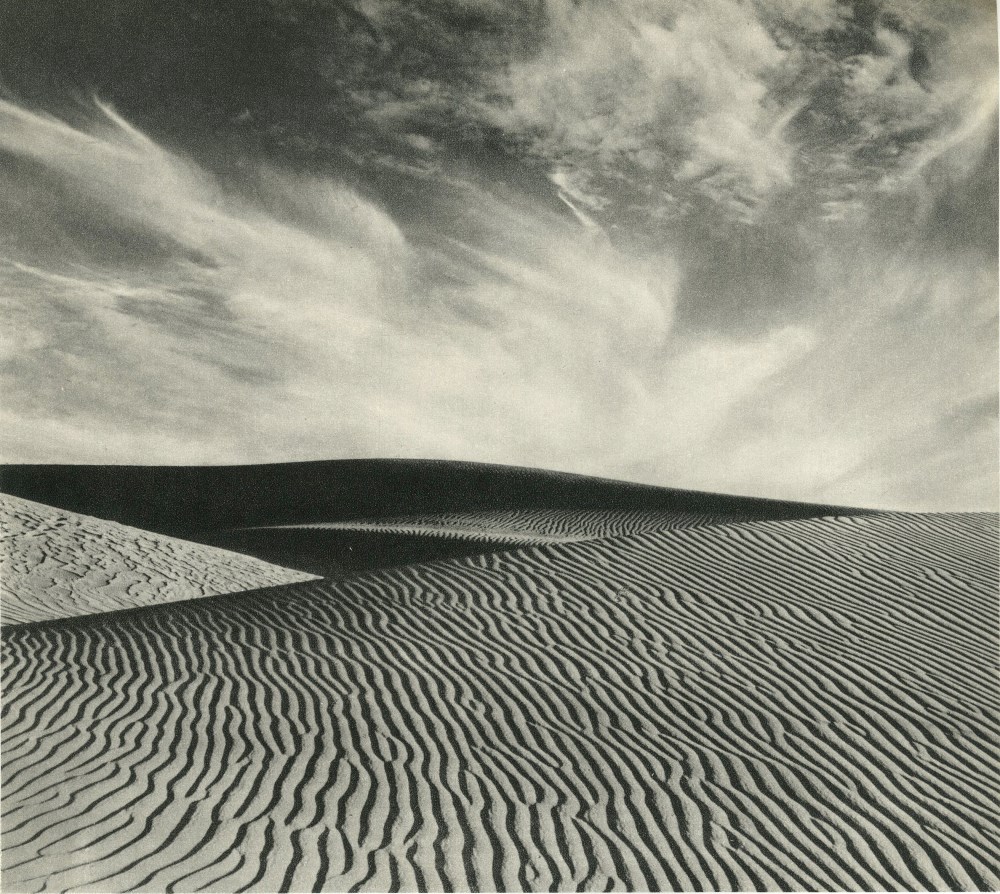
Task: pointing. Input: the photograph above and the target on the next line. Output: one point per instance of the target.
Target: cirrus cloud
(734, 246)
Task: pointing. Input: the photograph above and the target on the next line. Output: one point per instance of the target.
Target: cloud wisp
(746, 247)
(745, 105)
(295, 319)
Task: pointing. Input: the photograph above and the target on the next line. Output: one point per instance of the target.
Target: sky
(746, 246)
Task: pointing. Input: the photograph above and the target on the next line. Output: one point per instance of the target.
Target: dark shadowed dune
(337, 552)
(181, 499)
(341, 517)
(806, 704)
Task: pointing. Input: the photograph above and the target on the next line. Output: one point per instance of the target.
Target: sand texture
(58, 564)
(799, 704)
(523, 527)
(338, 549)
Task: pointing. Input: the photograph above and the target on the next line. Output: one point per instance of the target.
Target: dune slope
(344, 548)
(805, 704)
(342, 517)
(58, 564)
(529, 526)
(183, 500)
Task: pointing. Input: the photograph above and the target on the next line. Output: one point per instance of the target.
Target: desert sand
(58, 564)
(804, 703)
(527, 526)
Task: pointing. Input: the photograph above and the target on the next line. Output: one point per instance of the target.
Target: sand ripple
(528, 526)
(58, 564)
(795, 705)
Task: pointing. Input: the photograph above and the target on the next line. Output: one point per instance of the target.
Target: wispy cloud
(159, 303)
(300, 321)
(303, 323)
(741, 103)
(734, 246)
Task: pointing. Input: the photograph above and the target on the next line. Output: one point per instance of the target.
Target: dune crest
(338, 518)
(184, 500)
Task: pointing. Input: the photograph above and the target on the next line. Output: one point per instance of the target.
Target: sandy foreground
(794, 704)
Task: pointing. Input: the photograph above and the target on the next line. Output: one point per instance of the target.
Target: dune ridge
(806, 704)
(56, 564)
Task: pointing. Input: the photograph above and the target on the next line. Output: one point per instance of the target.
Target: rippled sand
(798, 704)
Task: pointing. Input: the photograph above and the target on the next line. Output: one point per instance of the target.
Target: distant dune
(336, 549)
(340, 517)
(58, 564)
(530, 526)
(808, 703)
(180, 499)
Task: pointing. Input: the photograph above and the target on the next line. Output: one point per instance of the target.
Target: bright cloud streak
(738, 247)
(289, 323)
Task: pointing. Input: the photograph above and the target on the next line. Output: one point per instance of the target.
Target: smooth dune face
(796, 705)
(58, 564)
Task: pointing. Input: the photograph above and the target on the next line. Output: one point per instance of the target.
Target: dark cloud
(651, 109)
(962, 215)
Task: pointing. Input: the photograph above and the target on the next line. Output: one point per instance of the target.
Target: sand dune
(58, 564)
(338, 518)
(187, 500)
(526, 527)
(804, 704)
(343, 548)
